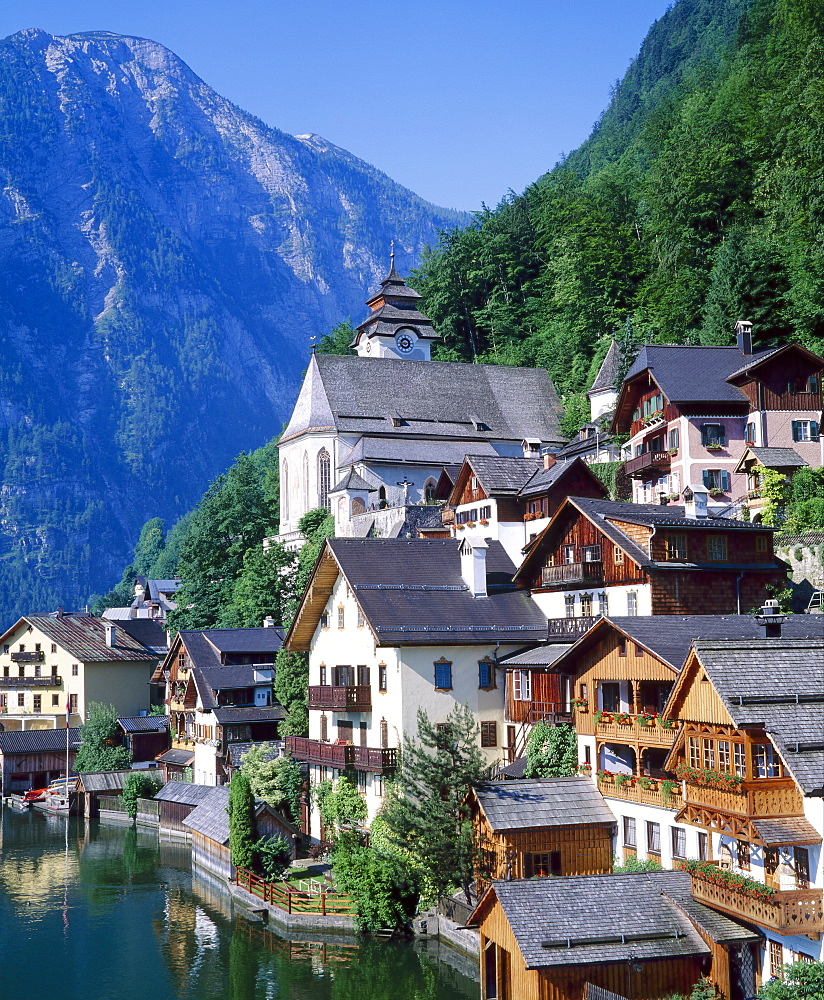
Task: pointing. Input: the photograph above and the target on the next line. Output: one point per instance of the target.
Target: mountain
(164, 259)
(696, 201)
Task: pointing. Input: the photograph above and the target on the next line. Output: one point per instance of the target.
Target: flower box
(708, 872)
(672, 451)
(585, 769)
(606, 775)
(716, 492)
(667, 723)
(713, 446)
(646, 720)
(644, 781)
(711, 779)
(606, 717)
(580, 704)
(624, 779)
(623, 719)
(484, 521)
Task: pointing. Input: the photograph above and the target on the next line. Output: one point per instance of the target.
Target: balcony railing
(568, 627)
(752, 799)
(579, 572)
(790, 911)
(343, 755)
(31, 682)
(36, 657)
(633, 731)
(653, 796)
(343, 699)
(647, 462)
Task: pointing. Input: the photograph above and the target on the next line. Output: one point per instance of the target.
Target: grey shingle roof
(38, 740)
(541, 656)
(183, 791)
(435, 398)
(499, 475)
(796, 830)
(244, 640)
(776, 458)
(759, 680)
(545, 479)
(352, 481)
(533, 803)
(180, 757)
(693, 374)
(559, 921)
(148, 632)
(85, 639)
(103, 781)
(158, 587)
(713, 923)
(412, 592)
(672, 516)
(407, 452)
(607, 377)
(145, 724)
(269, 713)
(210, 816)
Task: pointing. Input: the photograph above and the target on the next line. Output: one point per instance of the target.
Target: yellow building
(48, 662)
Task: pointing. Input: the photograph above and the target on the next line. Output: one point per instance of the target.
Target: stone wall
(805, 556)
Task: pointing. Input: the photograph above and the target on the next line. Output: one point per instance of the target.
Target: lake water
(96, 912)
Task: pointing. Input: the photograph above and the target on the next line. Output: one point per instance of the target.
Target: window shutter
(813, 429)
(725, 480)
(706, 475)
(722, 434)
(795, 431)
(704, 437)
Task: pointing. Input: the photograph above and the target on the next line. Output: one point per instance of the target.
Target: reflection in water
(93, 912)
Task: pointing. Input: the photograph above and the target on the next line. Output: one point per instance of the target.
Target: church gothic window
(305, 482)
(324, 478)
(285, 490)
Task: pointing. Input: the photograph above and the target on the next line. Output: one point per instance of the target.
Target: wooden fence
(291, 900)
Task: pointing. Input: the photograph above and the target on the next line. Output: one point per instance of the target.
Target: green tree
(291, 690)
(802, 981)
(338, 339)
(273, 857)
(429, 817)
(265, 587)
(242, 836)
(340, 805)
(151, 543)
(139, 785)
(276, 780)
(98, 750)
(551, 751)
(384, 889)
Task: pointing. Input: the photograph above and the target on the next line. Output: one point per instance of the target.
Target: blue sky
(460, 100)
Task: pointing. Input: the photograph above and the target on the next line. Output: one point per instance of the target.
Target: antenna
(392, 255)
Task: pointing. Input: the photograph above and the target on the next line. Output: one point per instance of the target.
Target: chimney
(268, 622)
(549, 460)
(109, 629)
(59, 613)
(473, 564)
(695, 503)
(743, 336)
(771, 619)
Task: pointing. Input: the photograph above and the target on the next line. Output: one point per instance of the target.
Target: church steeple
(395, 328)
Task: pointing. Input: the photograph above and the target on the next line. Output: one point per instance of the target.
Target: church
(375, 430)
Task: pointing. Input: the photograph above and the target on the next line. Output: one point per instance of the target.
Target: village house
(393, 626)
(546, 827)
(513, 499)
(600, 557)
(396, 419)
(145, 737)
(153, 599)
(752, 464)
(218, 688)
(641, 936)
(690, 412)
(49, 663)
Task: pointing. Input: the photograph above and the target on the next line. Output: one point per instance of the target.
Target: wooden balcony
(789, 911)
(343, 755)
(630, 732)
(578, 572)
(36, 657)
(569, 628)
(183, 742)
(52, 681)
(752, 799)
(636, 793)
(650, 461)
(341, 699)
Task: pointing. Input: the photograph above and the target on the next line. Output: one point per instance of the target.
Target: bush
(633, 864)
(802, 981)
(139, 785)
(273, 856)
(384, 889)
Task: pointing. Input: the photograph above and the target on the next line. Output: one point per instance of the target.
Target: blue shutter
(725, 480)
(722, 434)
(704, 437)
(706, 475)
(813, 429)
(795, 431)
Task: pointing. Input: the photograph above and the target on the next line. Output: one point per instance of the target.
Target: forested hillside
(697, 200)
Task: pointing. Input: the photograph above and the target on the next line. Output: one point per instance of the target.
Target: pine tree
(242, 835)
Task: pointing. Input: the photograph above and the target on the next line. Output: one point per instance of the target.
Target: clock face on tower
(405, 341)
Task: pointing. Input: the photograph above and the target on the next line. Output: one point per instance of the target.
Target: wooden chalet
(751, 758)
(145, 736)
(177, 799)
(600, 557)
(92, 785)
(640, 936)
(547, 827)
(31, 758)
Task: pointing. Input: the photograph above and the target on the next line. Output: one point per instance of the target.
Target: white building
(393, 626)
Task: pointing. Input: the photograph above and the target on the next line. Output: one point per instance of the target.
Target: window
(749, 433)
(592, 553)
(694, 751)
(723, 747)
(74, 670)
(703, 846)
(743, 855)
(521, 685)
(632, 603)
(341, 616)
(802, 384)
(801, 857)
(542, 865)
(342, 676)
(55, 700)
(676, 547)
(486, 674)
(37, 670)
(610, 697)
(739, 759)
(382, 677)
(603, 604)
(443, 676)
(324, 620)
(617, 555)
(622, 647)
(673, 438)
(586, 605)
(323, 674)
(805, 430)
(679, 841)
(38, 703)
(709, 754)
(361, 619)
(21, 671)
(361, 778)
(22, 648)
(21, 700)
(324, 478)
(653, 838)
(485, 513)
(429, 490)
(569, 605)
(378, 786)
(629, 832)
(716, 479)
(569, 554)
(717, 548)
(364, 677)
(776, 960)
(324, 729)
(766, 763)
(384, 734)
(489, 734)
(713, 434)
(761, 543)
